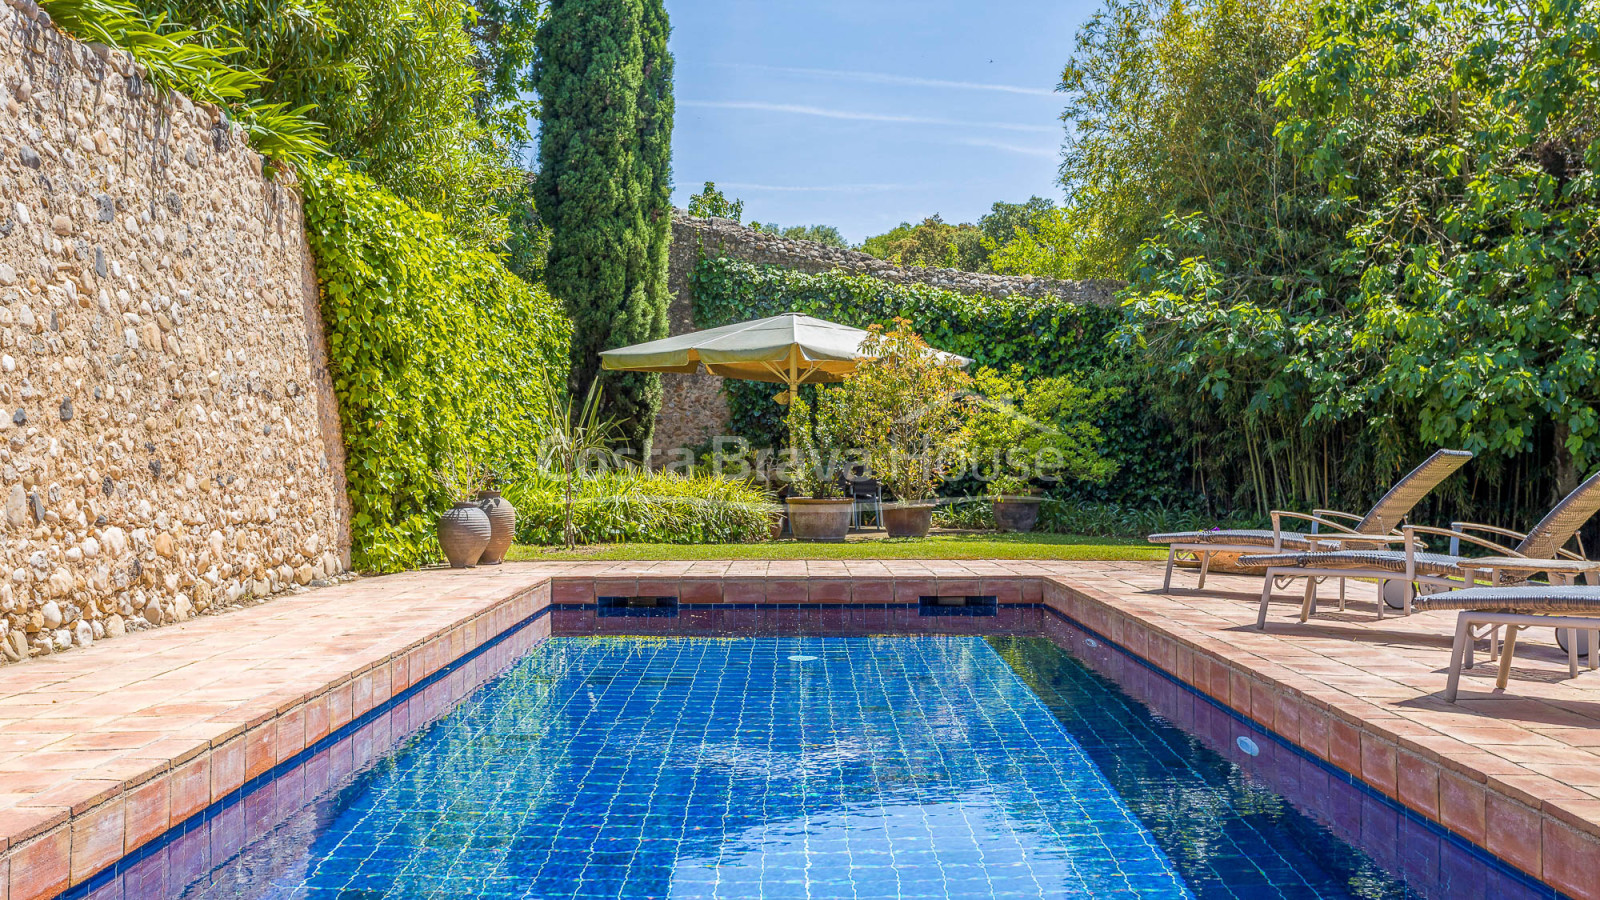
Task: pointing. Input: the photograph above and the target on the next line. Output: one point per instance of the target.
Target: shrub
(903, 406)
(965, 512)
(644, 507)
(437, 353)
(1043, 429)
(1119, 520)
(1092, 519)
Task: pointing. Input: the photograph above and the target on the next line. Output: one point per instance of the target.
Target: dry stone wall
(169, 443)
(693, 408)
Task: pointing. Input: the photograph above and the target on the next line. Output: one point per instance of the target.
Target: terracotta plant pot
(464, 533)
(503, 520)
(1016, 513)
(911, 520)
(819, 520)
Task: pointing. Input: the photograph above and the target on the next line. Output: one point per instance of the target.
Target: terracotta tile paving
(188, 711)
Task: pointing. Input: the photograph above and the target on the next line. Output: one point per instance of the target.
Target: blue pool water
(804, 767)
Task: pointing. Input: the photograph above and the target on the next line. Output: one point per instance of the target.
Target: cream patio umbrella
(790, 349)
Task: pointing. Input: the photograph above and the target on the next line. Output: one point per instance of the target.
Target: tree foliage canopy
(1407, 262)
(931, 243)
(393, 82)
(604, 187)
(711, 202)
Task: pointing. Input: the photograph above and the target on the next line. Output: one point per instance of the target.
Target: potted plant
(464, 529)
(1015, 503)
(1020, 433)
(903, 407)
(816, 512)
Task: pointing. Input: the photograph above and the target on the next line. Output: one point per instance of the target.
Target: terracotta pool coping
(102, 749)
(1439, 778)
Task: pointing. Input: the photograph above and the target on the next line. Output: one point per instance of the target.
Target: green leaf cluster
(1021, 430)
(208, 69)
(711, 202)
(1043, 336)
(931, 243)
(903, 408)
(638, 506)
(438, 354)
(392, 85)
(1419, 268)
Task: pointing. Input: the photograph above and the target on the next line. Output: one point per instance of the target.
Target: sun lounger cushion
(1254, 537)
(1532, 598)
(1384, 560)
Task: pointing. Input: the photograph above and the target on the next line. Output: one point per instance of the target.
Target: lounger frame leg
(1205, 566)
(1460, 651)
(1266, 597)
(1506, 652)
(1309, 603)
(1166, 584)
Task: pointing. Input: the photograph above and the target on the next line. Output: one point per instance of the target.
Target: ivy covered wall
(439, 357)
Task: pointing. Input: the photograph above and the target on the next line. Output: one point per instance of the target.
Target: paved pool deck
(103, 750)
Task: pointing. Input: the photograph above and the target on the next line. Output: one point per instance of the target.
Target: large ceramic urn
(503, 524)
(464, 532)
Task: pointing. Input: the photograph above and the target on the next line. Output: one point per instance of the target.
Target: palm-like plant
(573, 436)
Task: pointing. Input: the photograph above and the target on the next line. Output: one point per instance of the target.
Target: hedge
(644, 507)
(438, 353)
(1045, 336)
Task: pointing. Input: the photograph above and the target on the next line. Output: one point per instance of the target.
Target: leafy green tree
(502, 34)
(821, 234)
(712, 202)
(999, 225)
(1052, 244)
(392, 81)
(903, 408)
(1019, 431)
(604, 188)
(931, 243)
(1173, 174)
(1450, 150)
(1164, 118)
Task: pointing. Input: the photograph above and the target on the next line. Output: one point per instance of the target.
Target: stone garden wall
(693, 409)
(169, 443)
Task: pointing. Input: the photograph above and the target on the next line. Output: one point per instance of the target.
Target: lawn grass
(937, 546)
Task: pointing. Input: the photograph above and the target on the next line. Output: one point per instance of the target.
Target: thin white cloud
(851, 115)
(1024, 150)
(907, 80)
(826, 188)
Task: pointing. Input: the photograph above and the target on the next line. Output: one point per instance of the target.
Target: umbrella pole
(794, 393)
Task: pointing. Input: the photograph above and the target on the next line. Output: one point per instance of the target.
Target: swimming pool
(848, 767)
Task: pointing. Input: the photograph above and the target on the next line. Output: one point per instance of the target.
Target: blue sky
(866, 113)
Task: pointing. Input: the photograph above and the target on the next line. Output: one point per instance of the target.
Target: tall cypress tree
(604, 187)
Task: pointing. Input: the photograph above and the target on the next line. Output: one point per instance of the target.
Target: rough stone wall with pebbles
(165, 449)
(693, 409)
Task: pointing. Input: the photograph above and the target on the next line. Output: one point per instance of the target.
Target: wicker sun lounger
(1413, 565)
(1571, 610)
(1380, 521)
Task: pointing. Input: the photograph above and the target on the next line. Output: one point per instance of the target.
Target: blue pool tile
(885, 768)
